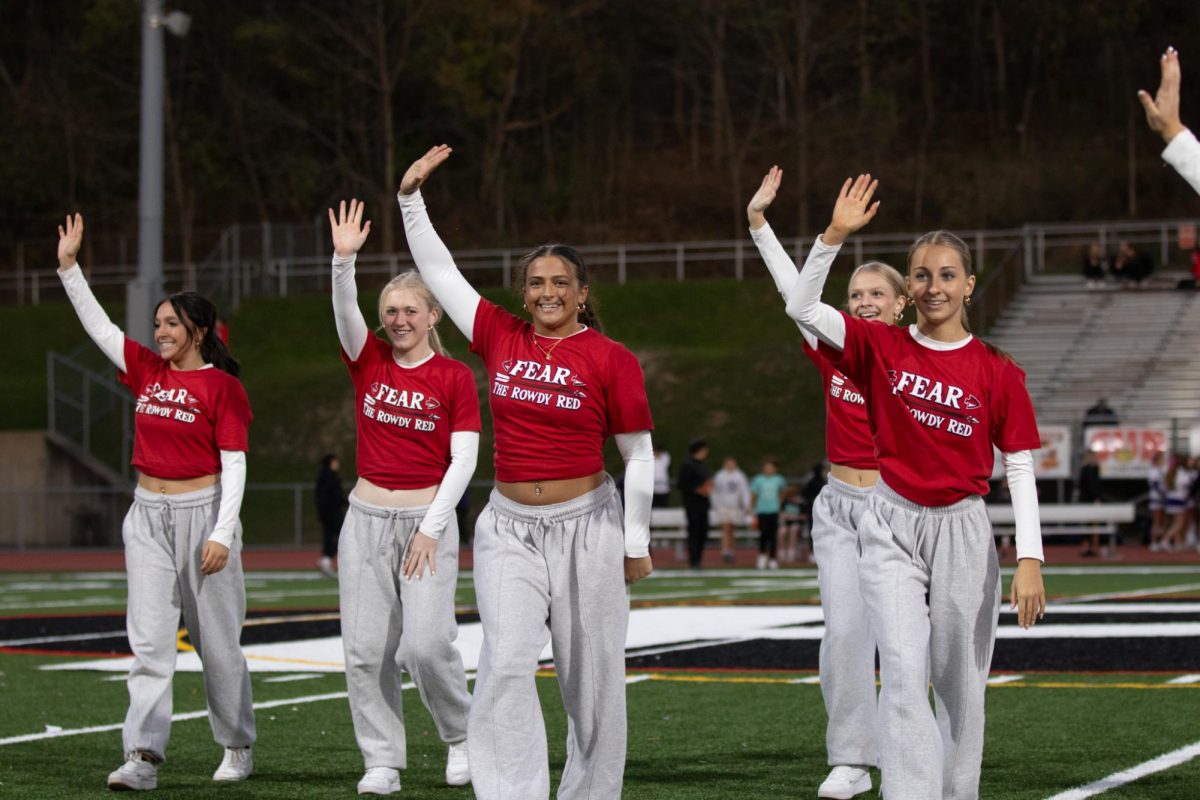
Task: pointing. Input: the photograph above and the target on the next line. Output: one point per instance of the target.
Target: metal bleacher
(1139, 348)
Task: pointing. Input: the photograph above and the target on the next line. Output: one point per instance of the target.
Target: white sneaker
(772, 564)
(458, 768)
(380, 780)
(762, 561)
(325, 567)
(844, 783)
(237, 765)
(137, 774)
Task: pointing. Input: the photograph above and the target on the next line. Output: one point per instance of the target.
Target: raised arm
(779, 263)
(432, 257)
(1162, 113)
(349, 234)
(107, 336)
(852, 211)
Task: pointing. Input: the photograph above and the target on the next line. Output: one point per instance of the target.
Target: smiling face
(872, 296)
(407, 320)
(176, 342)
(938, 284)
(553, 296)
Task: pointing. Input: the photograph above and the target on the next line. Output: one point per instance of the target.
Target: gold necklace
(546, 351)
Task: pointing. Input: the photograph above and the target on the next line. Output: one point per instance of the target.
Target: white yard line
(1185, 679)
(1125, 776)
(1002, 679)
(72, 637)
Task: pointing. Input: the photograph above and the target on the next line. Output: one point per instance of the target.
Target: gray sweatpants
(552, 573)
(932, 583)
(391, 624)
(848, 646)
(164, 539)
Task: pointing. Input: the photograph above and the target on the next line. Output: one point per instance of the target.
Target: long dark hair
(196, 311)
(588, 314)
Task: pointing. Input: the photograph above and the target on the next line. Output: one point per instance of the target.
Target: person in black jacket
(331, 510)
(695, 484)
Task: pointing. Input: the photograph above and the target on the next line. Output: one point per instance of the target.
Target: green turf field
(693, 733)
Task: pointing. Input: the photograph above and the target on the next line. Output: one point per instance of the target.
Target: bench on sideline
(1058, 519)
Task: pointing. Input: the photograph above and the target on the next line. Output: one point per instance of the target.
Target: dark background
(600, 121)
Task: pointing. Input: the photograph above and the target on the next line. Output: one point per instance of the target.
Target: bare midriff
(374, 495)
(548, 492)
(855, 477)
(176, 485)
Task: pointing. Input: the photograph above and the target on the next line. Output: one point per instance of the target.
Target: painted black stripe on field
(1065, 655)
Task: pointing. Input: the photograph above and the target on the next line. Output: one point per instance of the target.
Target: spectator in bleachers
(1132, 266)
(731, 501)
(1095, 266)
(1101, 414)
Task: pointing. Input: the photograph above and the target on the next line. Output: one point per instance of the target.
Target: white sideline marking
(1119, 779)
(314, 698)
(303, 676)
(1000, 679)
(813, 680)
(116, 726)
(1185, 679)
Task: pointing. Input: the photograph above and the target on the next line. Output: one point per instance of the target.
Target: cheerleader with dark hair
(182, 535)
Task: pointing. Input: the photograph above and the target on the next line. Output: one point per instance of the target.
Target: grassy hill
(721, 358)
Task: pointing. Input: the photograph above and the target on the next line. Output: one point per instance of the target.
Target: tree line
(593, 120)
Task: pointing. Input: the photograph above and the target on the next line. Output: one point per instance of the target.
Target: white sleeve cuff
(804, 299)
(351, 327)
(436, 265)
(233, 487)
(1183, 153)
(638, 451)
(107, 336)
(464, 450)
(1022, 487)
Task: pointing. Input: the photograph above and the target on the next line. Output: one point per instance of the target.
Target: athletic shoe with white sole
(380, 780)
(237, 765)
(137, 774)
(458, 768)
(844, 783)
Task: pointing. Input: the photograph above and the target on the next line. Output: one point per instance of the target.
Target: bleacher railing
(278, 260)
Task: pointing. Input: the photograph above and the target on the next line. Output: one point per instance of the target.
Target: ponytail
(197, 312)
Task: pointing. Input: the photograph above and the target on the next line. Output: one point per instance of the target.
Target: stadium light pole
(145, 291)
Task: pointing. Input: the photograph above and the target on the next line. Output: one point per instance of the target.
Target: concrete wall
(53, 496)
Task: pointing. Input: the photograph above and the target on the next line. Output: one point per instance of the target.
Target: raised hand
(853, 209)
(423, 167)
(349, 232)
(764, 197)
(69, 240)
(1162, 110)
